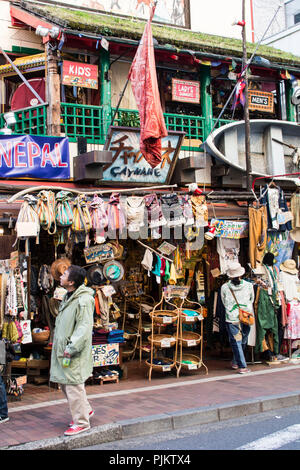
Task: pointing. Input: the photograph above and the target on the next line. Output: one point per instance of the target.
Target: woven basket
(189, 336)
(189, 357)
(157, 340)
(40, 337)
(130, 332)
(160, 367)
(190, 318)
(164, 316)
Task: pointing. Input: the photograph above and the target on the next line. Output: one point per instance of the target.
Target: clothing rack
(157, 252)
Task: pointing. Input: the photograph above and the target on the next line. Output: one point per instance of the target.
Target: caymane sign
(27, 156)
(128, 164)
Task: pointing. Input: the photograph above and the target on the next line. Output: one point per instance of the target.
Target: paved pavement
(137, 406)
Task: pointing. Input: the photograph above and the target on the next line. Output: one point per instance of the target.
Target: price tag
(166, 368)
(147, 329)
(130, 315)
(167, 320)
(189, 319)
(200, 317)
(165, 343)
(191, 342)
(192, 366)
(126, 335)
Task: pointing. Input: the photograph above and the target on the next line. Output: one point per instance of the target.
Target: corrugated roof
(132, 28)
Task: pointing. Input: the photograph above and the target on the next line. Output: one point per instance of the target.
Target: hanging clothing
(258, 224)
(135, 212)
(292, 330)
(154, 211)
(275, 201)
(115, 213)
(290, 283)
(228, 250)
(200, 210)
(172, 210)
(187, 209)
(266, 320)
(295, 209)
(99, 218)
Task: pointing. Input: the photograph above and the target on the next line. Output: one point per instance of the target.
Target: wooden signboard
(261, 101)
(99, 253)
(80, 74)
(186, 91)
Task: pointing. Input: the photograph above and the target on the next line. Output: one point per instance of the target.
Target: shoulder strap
(234, 297)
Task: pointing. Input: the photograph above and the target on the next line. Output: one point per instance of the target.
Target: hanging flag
(239, 96)
(142, 75)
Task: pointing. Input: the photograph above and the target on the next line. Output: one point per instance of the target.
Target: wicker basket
(189, 357)
(161, 367)
(40, 337)
(164, 316)
(189, 339)
(190, 318)
(158, 339)
(130, 332)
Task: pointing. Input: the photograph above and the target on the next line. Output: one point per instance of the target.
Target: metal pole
(246, 107)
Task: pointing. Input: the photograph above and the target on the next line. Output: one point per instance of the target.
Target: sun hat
(95, 275)
(235, 270)
(113, 271)
(59, 266)
(295, 234)
(289, 266)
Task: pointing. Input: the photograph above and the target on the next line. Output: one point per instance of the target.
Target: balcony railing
(78, 120)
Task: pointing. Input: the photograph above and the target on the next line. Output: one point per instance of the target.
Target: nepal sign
(128, 163)
(27, 156)
(80, 74)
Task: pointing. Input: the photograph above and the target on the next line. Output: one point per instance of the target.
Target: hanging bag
(28, 224)
(244, 317)
(82, 222)
(99, 218)
(63, 210)
(46, 211)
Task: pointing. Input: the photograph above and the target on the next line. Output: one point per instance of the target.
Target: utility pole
(246, 107)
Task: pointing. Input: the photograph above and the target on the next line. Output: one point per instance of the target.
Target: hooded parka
(73, 334)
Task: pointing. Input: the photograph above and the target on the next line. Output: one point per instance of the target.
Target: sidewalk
(137, 406)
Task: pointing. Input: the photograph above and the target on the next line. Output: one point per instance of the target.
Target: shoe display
(73, 430)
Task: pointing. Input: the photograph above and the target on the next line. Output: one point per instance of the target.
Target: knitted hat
(156, 270)
(95, 276)
(59, 266)
(289, 266)
(167, 271)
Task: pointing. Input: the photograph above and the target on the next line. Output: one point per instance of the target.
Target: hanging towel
(147, 261)
(173, 275)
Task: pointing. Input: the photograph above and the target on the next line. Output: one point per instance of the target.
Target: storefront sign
(105, 354)
(261, 101)
(99, 253)
(128, 164)
(230, 228)
(80, 74)
(30, 156)
(187, 91)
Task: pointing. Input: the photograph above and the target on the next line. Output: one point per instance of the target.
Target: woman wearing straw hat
(234, 294)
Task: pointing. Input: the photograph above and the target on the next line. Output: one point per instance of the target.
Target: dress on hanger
(292, 329)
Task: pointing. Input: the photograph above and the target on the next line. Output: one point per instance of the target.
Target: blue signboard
(30, 156)
(128, 164)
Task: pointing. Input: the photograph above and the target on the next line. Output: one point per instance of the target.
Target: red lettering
(19, 153)
(6, 154)
(46, 156)
(34, 151)
(58, 156)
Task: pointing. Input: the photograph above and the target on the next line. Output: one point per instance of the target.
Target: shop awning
(24, 63)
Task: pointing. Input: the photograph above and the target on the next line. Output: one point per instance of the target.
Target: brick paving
(40, 415)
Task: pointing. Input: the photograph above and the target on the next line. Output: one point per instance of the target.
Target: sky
(217, 16)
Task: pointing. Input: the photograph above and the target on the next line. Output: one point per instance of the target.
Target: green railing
(31, 120)
(80, 120)
(192, 125)
(222, 122)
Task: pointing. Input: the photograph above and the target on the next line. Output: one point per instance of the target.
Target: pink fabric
(292, 330)
(142, 75)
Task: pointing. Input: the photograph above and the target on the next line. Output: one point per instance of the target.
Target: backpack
(63, 211)
(28, 224)
(46, 211)
(81, 217)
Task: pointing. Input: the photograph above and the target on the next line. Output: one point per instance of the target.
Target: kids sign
(80, 74)
(26, 156)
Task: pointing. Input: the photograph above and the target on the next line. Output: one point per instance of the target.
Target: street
(276, 430)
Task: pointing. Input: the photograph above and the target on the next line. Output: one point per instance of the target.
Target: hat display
(113, 271)
(59, 266)
(289, 266)
(95, 275)
(235, 270)
(295, 234)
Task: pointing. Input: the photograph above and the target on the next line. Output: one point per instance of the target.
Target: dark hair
(76, 274)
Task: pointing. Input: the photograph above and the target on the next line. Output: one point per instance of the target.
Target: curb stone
(163, 422)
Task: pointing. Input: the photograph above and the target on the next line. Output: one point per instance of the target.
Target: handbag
(245, 317)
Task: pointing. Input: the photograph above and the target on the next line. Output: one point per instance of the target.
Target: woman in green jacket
(71, 358)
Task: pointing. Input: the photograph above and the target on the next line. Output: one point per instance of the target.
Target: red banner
(80, 74)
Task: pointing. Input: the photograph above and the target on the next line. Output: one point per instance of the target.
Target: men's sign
(129, 165)
(186, 91)
(80, 74)
(261, 101)
(27, 156)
